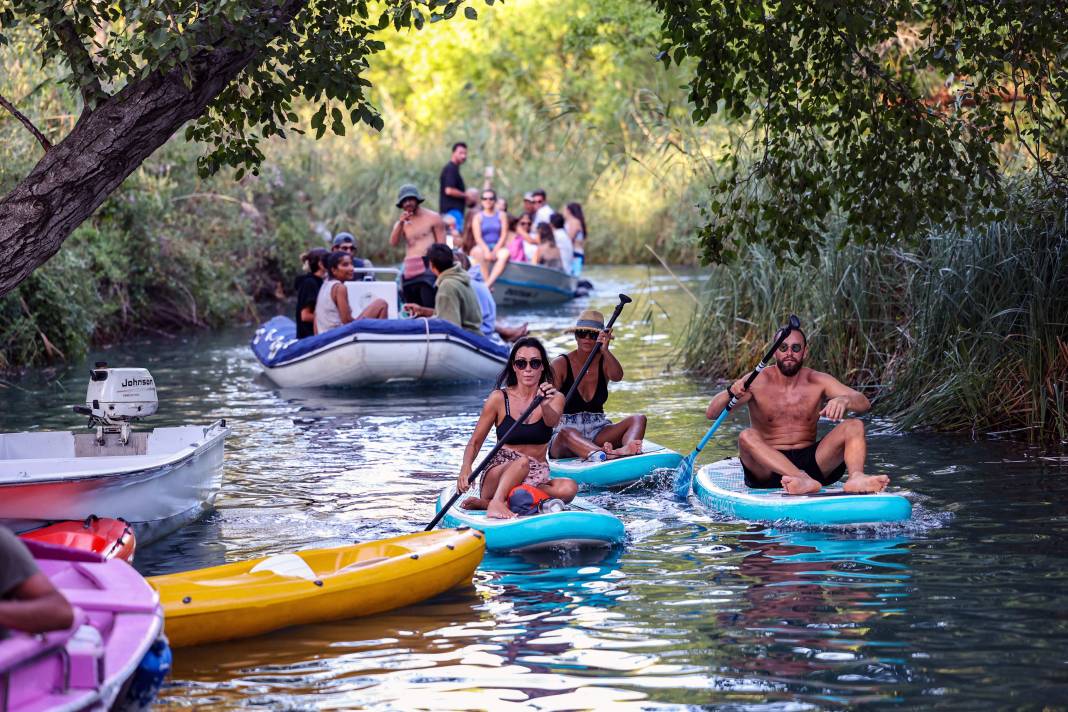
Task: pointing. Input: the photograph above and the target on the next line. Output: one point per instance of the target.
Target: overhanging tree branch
(45, 143)
(81, 64)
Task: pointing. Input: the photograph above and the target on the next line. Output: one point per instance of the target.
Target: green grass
(966, 333)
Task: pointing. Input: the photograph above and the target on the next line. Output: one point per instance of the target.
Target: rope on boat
(426, 352)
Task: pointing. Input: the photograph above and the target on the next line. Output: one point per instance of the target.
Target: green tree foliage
(895, 115)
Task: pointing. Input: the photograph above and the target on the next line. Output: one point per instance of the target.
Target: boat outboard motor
(116, 397)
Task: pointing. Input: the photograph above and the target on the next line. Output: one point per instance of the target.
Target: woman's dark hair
(315, 258)
(545, 234)
(576, 210)
(513, 221)
(507, 377)
(333, 259)
(556, 220)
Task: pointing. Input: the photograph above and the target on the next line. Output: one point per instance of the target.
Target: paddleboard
(619, 471)
(581, 525)
(720, 486)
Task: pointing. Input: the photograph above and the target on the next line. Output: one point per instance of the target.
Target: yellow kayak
(252, 597)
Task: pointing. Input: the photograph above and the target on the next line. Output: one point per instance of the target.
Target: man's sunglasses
(521, 364)
(796, 348)
(488, 197)
(345, 248)
(586, 334)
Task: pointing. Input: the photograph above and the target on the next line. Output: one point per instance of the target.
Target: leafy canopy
(314, 50)
(891, 115)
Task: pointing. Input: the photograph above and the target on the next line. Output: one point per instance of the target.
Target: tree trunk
(105, 146)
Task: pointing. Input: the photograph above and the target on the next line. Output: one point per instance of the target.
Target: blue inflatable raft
(618, 472)
(581, 525)
(720, 486)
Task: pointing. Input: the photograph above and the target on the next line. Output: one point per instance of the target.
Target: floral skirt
(537, 475)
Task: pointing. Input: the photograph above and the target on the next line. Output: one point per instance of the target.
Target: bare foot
(473, 503)
(859, 484)
(499, 510)
(800, 484)
(634, 447)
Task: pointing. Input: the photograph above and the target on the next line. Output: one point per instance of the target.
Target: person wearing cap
(420, 228)
(528, 205)
(452, 199)
(583, 430)
(454, 299)
(345, 242)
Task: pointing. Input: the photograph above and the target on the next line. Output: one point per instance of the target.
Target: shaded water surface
(964, 608)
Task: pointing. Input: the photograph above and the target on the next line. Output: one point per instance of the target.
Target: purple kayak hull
(117, 619)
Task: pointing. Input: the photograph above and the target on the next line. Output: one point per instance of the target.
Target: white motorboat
(369, 352)
(157, 480)
(523, 284)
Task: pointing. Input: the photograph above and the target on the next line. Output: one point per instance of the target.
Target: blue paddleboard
(581, 525)
(620, 471)
(720, 486)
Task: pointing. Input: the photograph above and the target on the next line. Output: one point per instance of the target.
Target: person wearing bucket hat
(420, 228)
(583, 430)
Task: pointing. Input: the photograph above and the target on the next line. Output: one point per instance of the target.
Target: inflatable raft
(257, 596)
(110, 538)
(375, 351)
(720, 486)
(618, 472)
(581, 525)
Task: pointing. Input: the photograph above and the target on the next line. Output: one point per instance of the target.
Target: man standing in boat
(420, 229)
(452, 199)
(780, 449)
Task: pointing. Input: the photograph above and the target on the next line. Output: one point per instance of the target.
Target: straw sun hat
(589, 319)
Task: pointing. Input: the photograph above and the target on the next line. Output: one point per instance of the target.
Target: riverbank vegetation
(565, 96)
(966, 332)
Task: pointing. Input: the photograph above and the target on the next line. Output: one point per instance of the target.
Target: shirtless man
(781, 449)
(420, 229)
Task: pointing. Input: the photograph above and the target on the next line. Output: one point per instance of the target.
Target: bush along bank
(968, 332)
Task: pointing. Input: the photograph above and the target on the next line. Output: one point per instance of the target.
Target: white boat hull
(157, 493)
(523, 284)
(367, 359)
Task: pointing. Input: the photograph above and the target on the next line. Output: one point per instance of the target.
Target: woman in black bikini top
(584, 431)
(522, 458)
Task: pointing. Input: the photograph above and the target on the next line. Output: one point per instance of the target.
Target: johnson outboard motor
(115, 398)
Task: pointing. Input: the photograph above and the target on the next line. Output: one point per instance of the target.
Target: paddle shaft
(486, 460)
(623, 300)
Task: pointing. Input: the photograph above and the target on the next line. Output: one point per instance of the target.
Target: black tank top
(578, 404)
(536, 433)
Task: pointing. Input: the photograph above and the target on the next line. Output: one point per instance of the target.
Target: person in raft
(584, 431)
(420, 228)
(332, 308)
(780, 449)
(522, 459)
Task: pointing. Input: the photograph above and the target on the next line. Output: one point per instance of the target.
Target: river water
(963, 608)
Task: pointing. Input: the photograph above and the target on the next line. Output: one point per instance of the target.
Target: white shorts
(588, 425)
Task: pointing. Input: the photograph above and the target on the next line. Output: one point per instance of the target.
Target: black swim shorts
(804, 459)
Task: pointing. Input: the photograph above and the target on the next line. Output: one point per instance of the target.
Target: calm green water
(964, 608)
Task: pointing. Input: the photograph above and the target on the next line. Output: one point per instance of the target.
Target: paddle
(623, 299)
(684, 472)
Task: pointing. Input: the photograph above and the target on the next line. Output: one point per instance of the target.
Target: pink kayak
(114, 652)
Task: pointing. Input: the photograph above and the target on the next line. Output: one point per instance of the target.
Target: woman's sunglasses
(488, 197)
(521, 364)
(586, 334)
(796, 348)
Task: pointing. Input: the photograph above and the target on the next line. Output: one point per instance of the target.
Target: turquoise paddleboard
(620, 471)
(720, 486)
(581, 525)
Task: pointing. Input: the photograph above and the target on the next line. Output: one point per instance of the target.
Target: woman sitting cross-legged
(332, 307)
(522, 459)
(584, 431)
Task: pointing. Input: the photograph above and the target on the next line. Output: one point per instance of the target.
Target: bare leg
(762, 460)
(377, 309)
(512, 333)
(625, 437)
(490, 478)
(846, 444)
(569, 443)
(562, 488)
(500, 261)
(514, 474)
